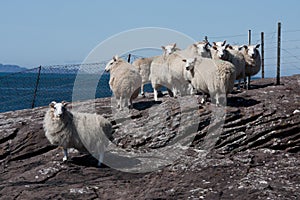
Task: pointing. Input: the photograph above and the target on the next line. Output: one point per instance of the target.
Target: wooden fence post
(36, 86)
(262, 55)
(278, 54)
(128, 59)
(249, 37)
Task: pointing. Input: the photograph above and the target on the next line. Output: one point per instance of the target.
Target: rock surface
(248, 150)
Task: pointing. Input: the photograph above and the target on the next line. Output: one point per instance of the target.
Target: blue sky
(37, 32)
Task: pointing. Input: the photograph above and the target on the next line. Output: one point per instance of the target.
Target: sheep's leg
(245, 82)
(217, 99)
(239, 85)
(174, 90)
(203, 99)
(121, 103)
(101, 157)
(65, 151)
(155, 94)
(126, 103)
(130, 103)
(142, 90)
(248, 82)
(191, 89)
(118, 102)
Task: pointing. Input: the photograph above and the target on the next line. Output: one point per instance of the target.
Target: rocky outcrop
(249, 149)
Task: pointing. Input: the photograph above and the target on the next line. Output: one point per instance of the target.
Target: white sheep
(82, 131)
(143, 64)
(228, 53)
(169, 72)
(201, 49)
(253, 61)
(125, 81)
(210, 76)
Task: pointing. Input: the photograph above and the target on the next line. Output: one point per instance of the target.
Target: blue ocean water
(17, 90)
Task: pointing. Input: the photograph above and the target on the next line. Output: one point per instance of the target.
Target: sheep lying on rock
(210, 76)
(125, 81)
(143, 64)
(82, 131)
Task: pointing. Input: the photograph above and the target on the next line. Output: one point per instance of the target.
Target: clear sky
(35, 32)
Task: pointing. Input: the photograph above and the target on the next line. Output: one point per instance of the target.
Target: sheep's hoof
(65, 159)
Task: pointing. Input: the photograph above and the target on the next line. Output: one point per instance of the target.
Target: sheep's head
(221, 51)
(111, 62)
(252, 50)
(58, 109)
(203, 48)
(189, 63)
(220, 44)
(169, 49)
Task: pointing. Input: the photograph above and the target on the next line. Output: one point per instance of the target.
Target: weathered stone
(248, 150)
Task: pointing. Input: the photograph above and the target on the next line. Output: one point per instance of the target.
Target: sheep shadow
(86, 161)
(259, 86)
(116, 161)
(252, 87)
(241, 102)
(143, 105)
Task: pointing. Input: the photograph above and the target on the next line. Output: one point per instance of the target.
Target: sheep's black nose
(187, 68)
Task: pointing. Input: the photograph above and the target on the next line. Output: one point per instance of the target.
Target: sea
(27, 90)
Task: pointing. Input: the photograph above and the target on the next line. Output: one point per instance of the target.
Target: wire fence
(39, 86)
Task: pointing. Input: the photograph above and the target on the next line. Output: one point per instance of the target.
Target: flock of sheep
(201, 67)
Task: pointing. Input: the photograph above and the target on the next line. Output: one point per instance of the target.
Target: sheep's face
(58, 109)
(202, 48)
(220, 51)
(169, 49)
(189, 63)
(252, 50)
(220, 44)
(111, 63)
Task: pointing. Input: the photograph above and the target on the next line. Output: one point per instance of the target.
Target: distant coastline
(11, 68)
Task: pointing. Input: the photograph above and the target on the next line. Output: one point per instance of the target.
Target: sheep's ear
(215, 47)
(184, 60)
(52, 104)
(257, 46)
(224, 43)
(215, 44)
(163, 48)
(116, 57)
(240, 48)
(228, 46)
(195, 44)
(64, 103)
(174, 45)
